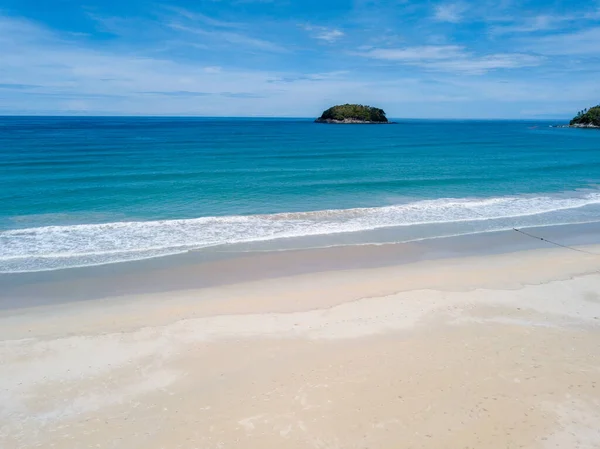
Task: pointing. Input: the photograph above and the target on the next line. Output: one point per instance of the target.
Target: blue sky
(446, 59)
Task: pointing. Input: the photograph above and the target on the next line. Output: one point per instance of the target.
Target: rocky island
(353, 113)
(588, 118)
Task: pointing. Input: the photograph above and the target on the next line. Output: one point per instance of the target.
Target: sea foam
(54, 247)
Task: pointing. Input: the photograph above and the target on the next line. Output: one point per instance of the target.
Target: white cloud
(230, 37)
(581, 43)
(420, 53)
(449, 12)
(323, 33)
(452, 58)
(483, 64)
(531, 94)
(530, 25)
(547, 22)
(330, 35)
(202, 18)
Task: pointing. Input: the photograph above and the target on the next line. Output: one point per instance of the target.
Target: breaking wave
(55, 247)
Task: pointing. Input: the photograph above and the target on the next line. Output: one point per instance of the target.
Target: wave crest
(52, 247)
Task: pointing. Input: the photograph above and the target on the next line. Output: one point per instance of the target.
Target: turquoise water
(86, 191)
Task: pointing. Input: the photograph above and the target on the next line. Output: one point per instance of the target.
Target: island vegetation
(588, 118)
(353, 113)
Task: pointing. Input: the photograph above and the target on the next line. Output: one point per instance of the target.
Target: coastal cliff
(353, 114)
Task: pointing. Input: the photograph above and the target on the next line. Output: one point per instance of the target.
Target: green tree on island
(587, 117)
(356, 112)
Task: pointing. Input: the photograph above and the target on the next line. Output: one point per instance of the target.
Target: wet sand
(221, 266)
(497, 351)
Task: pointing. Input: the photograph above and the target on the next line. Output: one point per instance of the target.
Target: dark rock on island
(353, 113)
(588, 118)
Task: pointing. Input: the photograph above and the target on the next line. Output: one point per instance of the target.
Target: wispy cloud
(218, 37)
(177, 93)
(530, 25)
(330, 35)
(327, 76)
(173, 25)
(452, 58)
(248, 95)
(324, 33)
(483, 64)
(17, 86)
(217, 31)
(449, 12)
(420, 53)
(202, 18)
(191, 94)
(582, 43)
(546, 22)
(593, 14)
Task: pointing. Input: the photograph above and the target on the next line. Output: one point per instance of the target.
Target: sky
(294, 58)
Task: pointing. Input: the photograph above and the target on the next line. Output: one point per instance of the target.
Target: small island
(588, 118)
(353, 114)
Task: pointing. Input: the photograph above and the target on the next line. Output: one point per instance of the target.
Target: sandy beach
(490, 351)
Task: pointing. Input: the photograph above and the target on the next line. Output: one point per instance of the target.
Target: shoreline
(216, 267)
(48, 248)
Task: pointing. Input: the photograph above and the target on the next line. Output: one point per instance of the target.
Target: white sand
(497, 351)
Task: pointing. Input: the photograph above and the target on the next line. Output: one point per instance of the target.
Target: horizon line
(270, 117)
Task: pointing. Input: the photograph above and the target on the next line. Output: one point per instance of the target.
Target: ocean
(96, 190)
